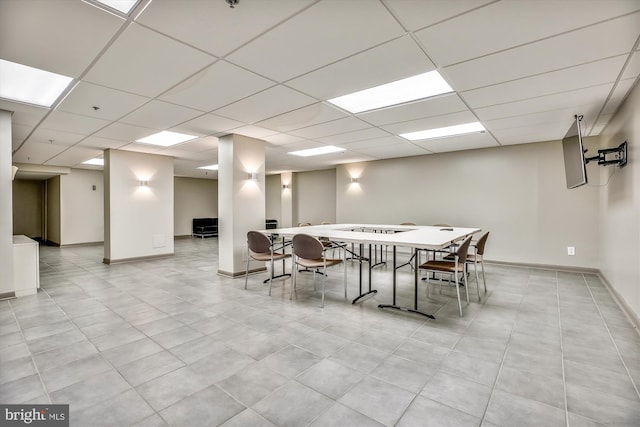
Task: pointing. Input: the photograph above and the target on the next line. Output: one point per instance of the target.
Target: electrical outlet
(571, 250)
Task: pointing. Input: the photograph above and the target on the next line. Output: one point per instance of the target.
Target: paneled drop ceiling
(266, 69)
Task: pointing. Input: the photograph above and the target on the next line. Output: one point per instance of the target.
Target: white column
(138, 206)
(6, 205)
(241, 200)
(286, 201)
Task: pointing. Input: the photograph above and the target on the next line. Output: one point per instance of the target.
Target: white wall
(81, 207)
(138, 219)
(516, 192)
(194, 198)
(314, 196)
(620, 207)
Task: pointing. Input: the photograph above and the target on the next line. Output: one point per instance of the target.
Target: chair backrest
(303, 224)
(407, 223)
(463, 249)
(482, 241)
(307, 247)
(441, 225)
(258, 243)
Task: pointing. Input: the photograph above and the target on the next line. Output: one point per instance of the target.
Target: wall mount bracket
(618, 156)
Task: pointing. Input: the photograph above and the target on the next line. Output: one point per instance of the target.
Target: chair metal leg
(344, 265)
(271, 276)
(458, 291)
(324, 279)
(475, 268)
(246, 273)
(466, 283)
(483, 280)
(294, 267)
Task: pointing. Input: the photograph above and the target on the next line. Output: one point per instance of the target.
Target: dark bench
(204, 227)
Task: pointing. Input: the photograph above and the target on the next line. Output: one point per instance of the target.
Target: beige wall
(81, 207)
(516, 192)
(273, 195)
(194, 198)
(27, 208)
(314, 196)
(620, 207)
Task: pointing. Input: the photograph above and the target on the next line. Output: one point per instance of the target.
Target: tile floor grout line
(626, 368)
(504, 355)
(564, 378)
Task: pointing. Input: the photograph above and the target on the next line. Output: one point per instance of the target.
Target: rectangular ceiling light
(209, 168)
(394, 93)
(466, 128)
(26, 84)
(166, 138)
(317, 151)
(123, 6)
(95, 162)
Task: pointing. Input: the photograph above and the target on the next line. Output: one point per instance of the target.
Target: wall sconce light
(286, 187)
(354, 180)
(144, 183)
(252, 176)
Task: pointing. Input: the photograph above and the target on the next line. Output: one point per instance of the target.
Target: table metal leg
(370, 291)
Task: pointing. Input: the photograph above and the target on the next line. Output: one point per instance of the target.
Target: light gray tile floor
(170, 343)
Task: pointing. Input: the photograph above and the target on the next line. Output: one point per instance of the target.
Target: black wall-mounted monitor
(574, 161)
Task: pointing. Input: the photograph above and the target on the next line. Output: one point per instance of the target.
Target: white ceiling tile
(593, 74)
(482, 31)
(390, 152)
(38, 153)
(608, 39)
(112, 103)
(458, 143)
(367, 69)
(321, 34)
(431, 122)
(198, 145)
(207, 124)
(417, 14)
(266, 104)
(24, 114)
(252, 131)
(358, 135)
(51, 136)
(143, 148)
(526, 134)
(439, 105)
(62, 37)
(556, 101)
(74, 123)
(100, 143)
(282, 139)
(144, 62)
(601, 124)
(218, 85)
(160, 115)
(619, 93)
(18, 134)
(303, 117)
(193, 20)
(561, 118)
(124, 132)
(73, 156)
(335, 127)
(633, 67)
(388, 141)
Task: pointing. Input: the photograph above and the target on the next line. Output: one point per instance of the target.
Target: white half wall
(138, 219)
(517, 192)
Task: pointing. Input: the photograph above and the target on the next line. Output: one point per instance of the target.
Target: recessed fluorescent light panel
(95, 162)
(166, 138)
(123, 6)
(209, 168)
(466, 128)
(26, 84)
(394, 93)
(317, 151)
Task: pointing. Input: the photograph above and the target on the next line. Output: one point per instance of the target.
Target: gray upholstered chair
(477, 257)
(308, 252)
(456, 267)
(261, 248)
